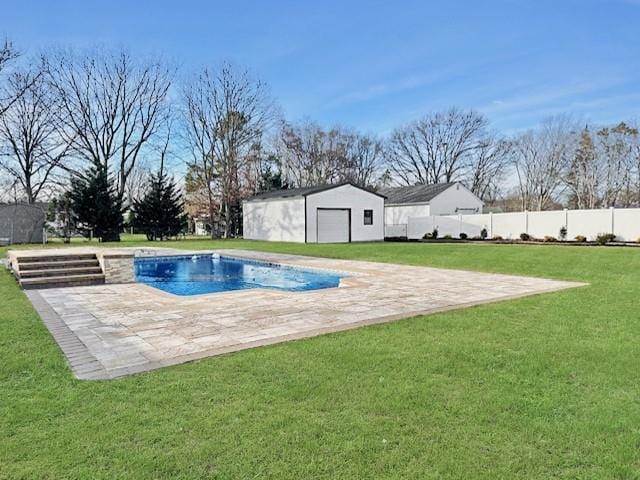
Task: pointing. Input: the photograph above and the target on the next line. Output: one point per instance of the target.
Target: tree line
(97, 125)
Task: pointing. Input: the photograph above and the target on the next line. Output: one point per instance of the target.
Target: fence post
(613, 220)
(491, 224)
(459, 224)
(526, 222)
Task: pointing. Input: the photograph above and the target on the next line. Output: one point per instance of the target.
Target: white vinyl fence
(623, 222)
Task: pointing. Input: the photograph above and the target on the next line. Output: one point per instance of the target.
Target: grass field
(542, 387)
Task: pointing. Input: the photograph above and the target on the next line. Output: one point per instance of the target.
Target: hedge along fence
(624, 223)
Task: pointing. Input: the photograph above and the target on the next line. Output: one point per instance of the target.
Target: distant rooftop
(414, 193)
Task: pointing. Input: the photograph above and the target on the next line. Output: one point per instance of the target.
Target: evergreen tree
(95, 203)
(160, 214)
(271, 177)
(61, 217)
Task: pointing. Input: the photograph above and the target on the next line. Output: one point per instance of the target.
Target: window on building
(368, 217)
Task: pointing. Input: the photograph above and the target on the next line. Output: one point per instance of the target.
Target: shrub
(497, 238)
(549, 238)
(581, 239)
(563, 233)
(464, 236)
(604, 238)
(434, 234)
(484, 234)
(525, 237)
(447, 237)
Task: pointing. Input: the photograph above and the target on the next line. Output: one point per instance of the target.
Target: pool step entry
(55, 271)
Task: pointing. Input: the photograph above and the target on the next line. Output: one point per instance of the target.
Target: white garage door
(333, 225)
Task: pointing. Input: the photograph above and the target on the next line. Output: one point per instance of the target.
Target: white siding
(276, 220)
(400, 214)
(454, 200)
(356, 199)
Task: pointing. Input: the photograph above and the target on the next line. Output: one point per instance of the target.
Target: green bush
(464, 236)
(497, 238)
(525, 237)
(448, 237)
(581, 239)
(604, 238)
(431, 235)
(483, 233)
(563, 233)
(549, 238)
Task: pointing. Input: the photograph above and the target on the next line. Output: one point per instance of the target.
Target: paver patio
(109, 331)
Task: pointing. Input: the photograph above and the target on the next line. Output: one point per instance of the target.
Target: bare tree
(540, 159)
(488, 166)
(8, 54)
(311, 155)
(363, 160)
(30, 147)
(583, 175)
(111, 106)
(617, 149)
(6, 187)
(437, 148)
(227, 112)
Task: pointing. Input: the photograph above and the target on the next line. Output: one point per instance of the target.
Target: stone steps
(55, 271)
(55, 265)
(57, 258)
(62, 281)
(60, 272)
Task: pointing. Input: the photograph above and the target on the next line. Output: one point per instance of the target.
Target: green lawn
(547, 386)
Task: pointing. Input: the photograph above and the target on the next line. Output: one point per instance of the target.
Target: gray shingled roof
(414, 193)
(303, 192)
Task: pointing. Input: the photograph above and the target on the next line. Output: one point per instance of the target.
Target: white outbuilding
(436, 199)
(320, 214)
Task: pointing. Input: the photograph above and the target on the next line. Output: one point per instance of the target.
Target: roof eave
(407, 204)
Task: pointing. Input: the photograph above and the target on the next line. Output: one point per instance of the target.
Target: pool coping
(85, 366)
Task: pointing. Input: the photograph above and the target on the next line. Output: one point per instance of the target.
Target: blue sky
(375, 65)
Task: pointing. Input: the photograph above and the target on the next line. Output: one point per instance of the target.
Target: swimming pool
(198, 274)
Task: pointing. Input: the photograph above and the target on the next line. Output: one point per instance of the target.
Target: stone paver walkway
(109, 331)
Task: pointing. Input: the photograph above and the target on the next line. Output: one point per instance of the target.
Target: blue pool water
(194, 275)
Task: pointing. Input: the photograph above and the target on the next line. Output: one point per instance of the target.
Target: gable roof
(305, 192)
(415, 193)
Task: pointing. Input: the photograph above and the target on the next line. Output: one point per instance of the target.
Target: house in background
(453, 198)
(349, 213)
(319, 214)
